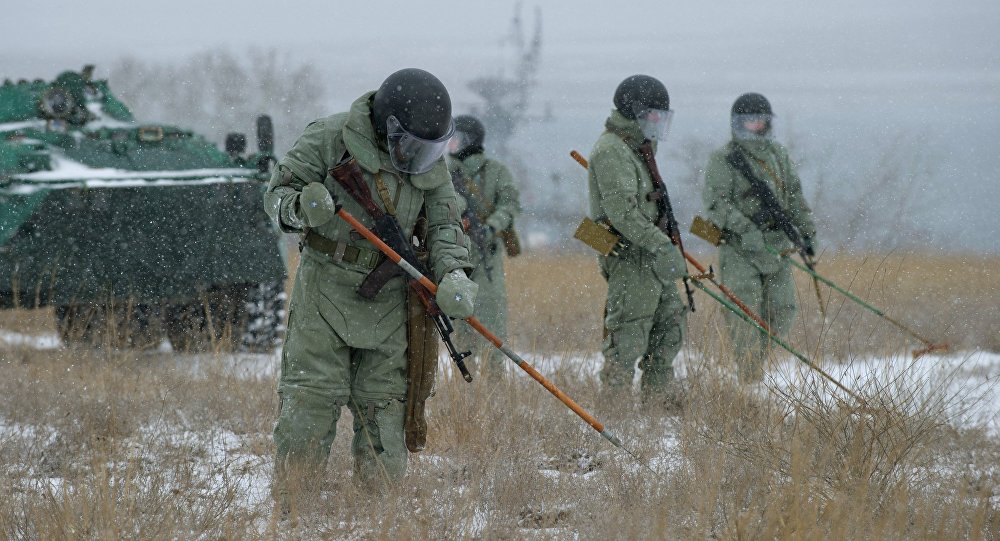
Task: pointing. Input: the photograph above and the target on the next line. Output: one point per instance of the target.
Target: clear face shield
(458, 142)
(753, 127)
(411, 154)
(654, 123)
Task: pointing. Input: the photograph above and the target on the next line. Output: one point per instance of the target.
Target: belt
(342, 251)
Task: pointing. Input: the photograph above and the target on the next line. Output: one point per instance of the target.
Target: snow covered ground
(224, 460)
(971, 378)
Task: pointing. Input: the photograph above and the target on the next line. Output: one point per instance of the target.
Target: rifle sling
(666, 221)
(383, 193)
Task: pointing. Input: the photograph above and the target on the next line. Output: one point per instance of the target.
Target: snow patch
(33, 341)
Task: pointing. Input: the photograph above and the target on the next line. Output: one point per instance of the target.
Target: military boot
(659, 390)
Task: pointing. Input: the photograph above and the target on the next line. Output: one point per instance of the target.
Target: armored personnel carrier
(134, 232)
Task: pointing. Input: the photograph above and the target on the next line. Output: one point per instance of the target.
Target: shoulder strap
(767, 168)
(383, 194)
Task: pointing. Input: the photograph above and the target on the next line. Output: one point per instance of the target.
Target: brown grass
(148, 445)
(556, 303)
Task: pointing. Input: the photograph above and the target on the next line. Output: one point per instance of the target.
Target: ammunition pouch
(600, 236)
(708, 231)
(421, 368)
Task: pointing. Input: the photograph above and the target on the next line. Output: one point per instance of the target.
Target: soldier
(341, 349)
(759, 277)
(491, 200)
(644, 313)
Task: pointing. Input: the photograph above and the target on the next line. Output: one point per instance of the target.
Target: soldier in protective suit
(342, 349)
(758, 276)
(491, 204)
(644, 313)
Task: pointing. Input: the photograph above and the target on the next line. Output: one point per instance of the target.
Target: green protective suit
(497, 204)
(342, 349)
(644, 313)
(757, 276)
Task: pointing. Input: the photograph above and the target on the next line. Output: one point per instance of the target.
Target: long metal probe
(492, 338)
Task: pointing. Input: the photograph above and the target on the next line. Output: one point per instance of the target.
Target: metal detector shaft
(855, 298)
(492, 338)
(778, 341)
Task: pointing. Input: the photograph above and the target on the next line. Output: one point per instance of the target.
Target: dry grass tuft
(121, 444)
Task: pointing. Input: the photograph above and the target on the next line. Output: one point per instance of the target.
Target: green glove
(456, 295)
(317, 204)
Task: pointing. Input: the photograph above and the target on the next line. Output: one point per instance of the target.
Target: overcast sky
(720, 42)
(843, 73)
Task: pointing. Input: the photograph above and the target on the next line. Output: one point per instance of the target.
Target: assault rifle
(348, 174)
(478, 231)
(775, 213)
(665, 220)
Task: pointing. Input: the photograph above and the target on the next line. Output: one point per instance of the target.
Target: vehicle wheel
(113, 325)
(264, 327)
(207, 324)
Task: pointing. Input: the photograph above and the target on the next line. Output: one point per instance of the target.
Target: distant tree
(880, 209)
(216, 92)
(506, 96)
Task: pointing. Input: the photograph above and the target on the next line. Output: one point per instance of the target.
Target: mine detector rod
(492, 338)
(929, 346)
(778, 341)
(747, 314)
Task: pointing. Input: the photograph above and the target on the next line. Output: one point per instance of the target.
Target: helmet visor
(749, 127)
(459, 142)
(411, 154)
(654, 123)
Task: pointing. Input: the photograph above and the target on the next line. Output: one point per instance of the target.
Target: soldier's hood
(360, 140)
(626, 128)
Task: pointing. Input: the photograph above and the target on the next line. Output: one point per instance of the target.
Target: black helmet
(643, 90)
(419, 102)
(468, 140)
(411, 113)
(472, 127)
(751, 103)
(751, 117)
